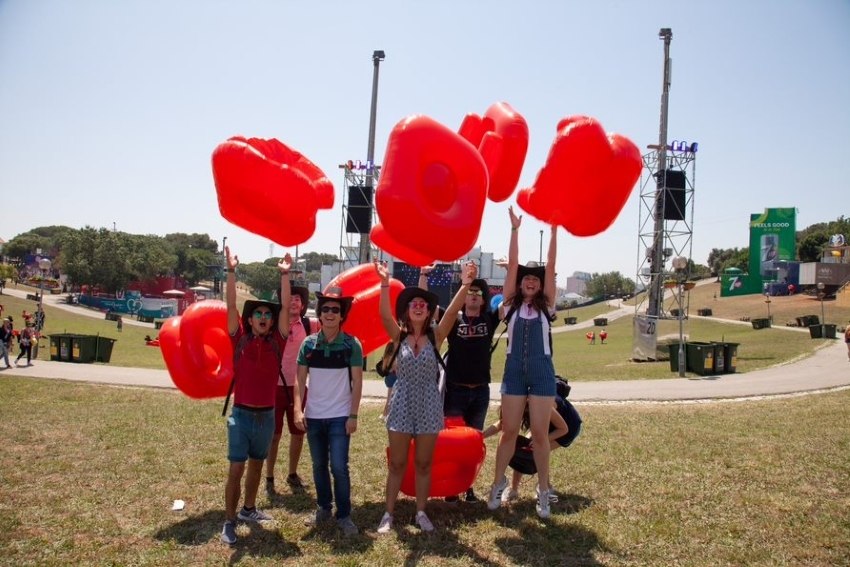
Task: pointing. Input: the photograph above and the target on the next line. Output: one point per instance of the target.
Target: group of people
(27, 337)
(280, 355)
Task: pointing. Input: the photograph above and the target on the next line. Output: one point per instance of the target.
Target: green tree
(261, 277)
(608, 284)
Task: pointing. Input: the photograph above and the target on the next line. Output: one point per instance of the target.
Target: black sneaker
(452, 499)
(471, 497)
(294, 481)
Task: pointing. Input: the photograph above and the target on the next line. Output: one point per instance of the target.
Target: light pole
(223, 266)
(767, 301)
(821, 295)
(680, 263)
(44, 265)
(541, 247)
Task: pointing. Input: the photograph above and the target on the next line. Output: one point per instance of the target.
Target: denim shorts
(532, 376)
(249, 434)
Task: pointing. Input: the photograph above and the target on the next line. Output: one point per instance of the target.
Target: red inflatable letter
(431, 194)
(364, 320)
(501, 137)
(269, 189)
(586, 180)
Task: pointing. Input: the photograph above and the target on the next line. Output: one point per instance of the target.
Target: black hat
(251, 305)
(334, 294)
(297, 287)
(530, 269)
(410, 293)
(485, 288)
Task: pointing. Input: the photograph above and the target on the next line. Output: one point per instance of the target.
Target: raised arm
(424, 271)
(509, 288)
(230, 292)
(470, 272)
(284, 266)
(386, 310)
(549, 285)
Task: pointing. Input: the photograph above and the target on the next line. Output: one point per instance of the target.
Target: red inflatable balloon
(205, 340)
(458, 456)
(269, 189)
(197, 350)
(433, 182)
(586, 180)
(179, 367)
(364, 319)
(501, 137)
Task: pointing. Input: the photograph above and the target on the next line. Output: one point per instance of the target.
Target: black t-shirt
(469, 348)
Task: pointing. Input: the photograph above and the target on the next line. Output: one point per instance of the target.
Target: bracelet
(514, 228)
(286, 273)
(231, 270)
(382, 285)
(352, 416)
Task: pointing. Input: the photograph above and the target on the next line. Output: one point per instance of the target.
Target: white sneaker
(510, 495)
(543, 503)
(424, 522)
(386, 523)
(496, 490)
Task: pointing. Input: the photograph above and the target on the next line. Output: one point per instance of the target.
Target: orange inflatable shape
(433, 182)
(586, 180)
(269, 189)
(364, 319)
(501, 137)
(458, 456)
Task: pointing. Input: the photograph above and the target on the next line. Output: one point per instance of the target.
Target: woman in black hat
(416, 409)
(528, 310)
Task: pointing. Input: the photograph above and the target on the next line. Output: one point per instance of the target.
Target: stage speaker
(674, 183)
(358, 214)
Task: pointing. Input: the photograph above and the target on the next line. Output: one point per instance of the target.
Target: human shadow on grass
(259, 541)
(533, 545)
(297, 500)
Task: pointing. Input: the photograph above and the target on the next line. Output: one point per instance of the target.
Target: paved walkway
(827, 369)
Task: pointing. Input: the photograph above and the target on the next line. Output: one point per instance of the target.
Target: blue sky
(109, 111)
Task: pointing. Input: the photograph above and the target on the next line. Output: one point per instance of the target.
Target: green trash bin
(83, 348)
(700, 358)
(730, 357)
(104, 349)
(828, 331)
(815, 331)
(719, 358)
(673, 348)
(54, 347)
(65, 347)
(601, 321)
(570, 320)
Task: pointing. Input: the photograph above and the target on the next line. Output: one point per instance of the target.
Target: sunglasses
(329, 309)
(262, 315)
(477, 292)
(418, 304)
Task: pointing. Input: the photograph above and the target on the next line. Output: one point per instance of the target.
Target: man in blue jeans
(258, 338)
(468, 364)
(334, 362)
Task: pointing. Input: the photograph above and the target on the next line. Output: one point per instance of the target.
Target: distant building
(577, 283)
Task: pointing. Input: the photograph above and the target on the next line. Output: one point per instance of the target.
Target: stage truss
(675, 236)
(359, 181)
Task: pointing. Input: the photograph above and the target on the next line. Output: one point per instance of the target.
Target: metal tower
(359, 189)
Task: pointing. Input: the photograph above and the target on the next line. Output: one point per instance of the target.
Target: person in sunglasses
(333, 360)
(256, 366)
(416, 410)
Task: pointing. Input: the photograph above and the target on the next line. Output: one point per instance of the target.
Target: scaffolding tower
(666, 220)
(358, 213)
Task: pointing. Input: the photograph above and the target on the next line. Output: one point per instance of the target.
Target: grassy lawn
(88, 475)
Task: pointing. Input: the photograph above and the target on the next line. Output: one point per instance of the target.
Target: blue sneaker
(253, 515)
(228, 533)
